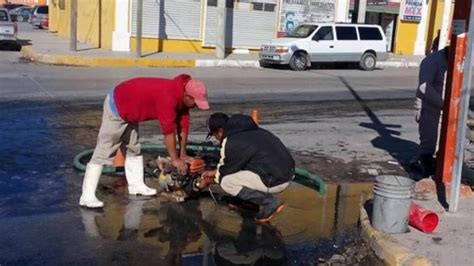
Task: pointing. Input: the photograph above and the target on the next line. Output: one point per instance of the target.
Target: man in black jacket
(254, 163)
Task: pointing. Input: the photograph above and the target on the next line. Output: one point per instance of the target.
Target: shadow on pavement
(14, 47)
(400, 149)
(315, 66)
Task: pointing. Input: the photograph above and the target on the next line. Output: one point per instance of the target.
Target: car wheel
(19, 19)
(299, 62)
(368, 62)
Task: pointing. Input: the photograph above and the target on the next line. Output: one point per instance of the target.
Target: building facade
(191, 25)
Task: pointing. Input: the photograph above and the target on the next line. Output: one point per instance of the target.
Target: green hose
(302, 176)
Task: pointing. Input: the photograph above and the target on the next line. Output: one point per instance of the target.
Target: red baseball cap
(196, 89)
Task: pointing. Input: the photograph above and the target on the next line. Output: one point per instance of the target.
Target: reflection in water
(205, 233)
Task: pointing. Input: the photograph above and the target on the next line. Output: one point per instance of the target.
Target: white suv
(310, 43)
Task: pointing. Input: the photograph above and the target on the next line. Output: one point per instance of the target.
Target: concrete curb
(97, 61)
(74, 60)
(387, 248)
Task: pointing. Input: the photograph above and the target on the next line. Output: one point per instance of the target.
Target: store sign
(412, 10)
(295, 12)
(377, 2)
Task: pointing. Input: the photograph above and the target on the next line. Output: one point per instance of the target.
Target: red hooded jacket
(143, 99)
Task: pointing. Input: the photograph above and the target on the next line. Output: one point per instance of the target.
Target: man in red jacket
(141, 99)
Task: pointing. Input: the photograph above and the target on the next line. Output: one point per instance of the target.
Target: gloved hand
(207, 179)
(417, 115)
(180, 166)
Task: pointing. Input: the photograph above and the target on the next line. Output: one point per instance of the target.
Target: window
(346, 33)
(3, 15)
(264, 6)
(370, 34)
(302, 31)
(42, 10)
(324, 34)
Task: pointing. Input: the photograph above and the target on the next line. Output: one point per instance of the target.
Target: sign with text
(295, 12)
(412, 10)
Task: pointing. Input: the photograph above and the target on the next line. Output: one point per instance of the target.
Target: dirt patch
(334, 170)
(357, 253)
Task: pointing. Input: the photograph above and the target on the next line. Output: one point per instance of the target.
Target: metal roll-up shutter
(244, 28)
(181, 19)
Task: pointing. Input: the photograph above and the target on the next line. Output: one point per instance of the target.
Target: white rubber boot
(91, 179)
(134, 175)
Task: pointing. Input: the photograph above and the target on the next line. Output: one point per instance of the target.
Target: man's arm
(426, 78)
(233, 159)
(170, 143)
(183, 140)
(183, 129)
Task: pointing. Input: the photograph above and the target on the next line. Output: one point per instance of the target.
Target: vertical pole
(420, 42)
(139, 27)
(99, 17)
(221, 28)
(462, 119)
(361, 11)
(342, 10)
(449, 138)
(73, 27)
(445, 25)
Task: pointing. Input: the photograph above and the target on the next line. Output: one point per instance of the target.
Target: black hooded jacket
(246, 146)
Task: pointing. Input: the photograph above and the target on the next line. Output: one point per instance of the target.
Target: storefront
(249, 23)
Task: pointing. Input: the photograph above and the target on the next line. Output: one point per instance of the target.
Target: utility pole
(456, 103)
(221, 28)
(462, 119)
(362, 9)
(139, 27)
(73, 27)
(342, 10)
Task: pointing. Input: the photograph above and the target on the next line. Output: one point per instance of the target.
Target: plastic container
(392, 202)
(423, 219)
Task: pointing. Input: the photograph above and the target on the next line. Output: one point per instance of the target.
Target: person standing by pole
(428, 110)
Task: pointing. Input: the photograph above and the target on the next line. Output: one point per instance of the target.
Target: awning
(379, 6)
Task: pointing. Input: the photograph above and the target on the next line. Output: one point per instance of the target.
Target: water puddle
(40, 217)
(199, 231)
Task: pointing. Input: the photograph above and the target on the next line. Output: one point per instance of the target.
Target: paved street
(338, 123)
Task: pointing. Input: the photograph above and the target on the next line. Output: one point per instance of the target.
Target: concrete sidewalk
(48, 48)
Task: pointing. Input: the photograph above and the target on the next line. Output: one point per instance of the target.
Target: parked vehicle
(11, 6)
(37, 15)
(20, 14)
(8, 29)
(331, 42)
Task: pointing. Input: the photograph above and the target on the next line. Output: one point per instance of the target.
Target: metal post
(462, 118)
(452, 99)
(361, 11)
(139, 27)
(73, 29)
(221, 28)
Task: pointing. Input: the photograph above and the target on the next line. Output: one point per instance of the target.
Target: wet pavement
(41, 222)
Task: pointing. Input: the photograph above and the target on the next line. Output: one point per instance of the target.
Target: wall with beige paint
(95, 21)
